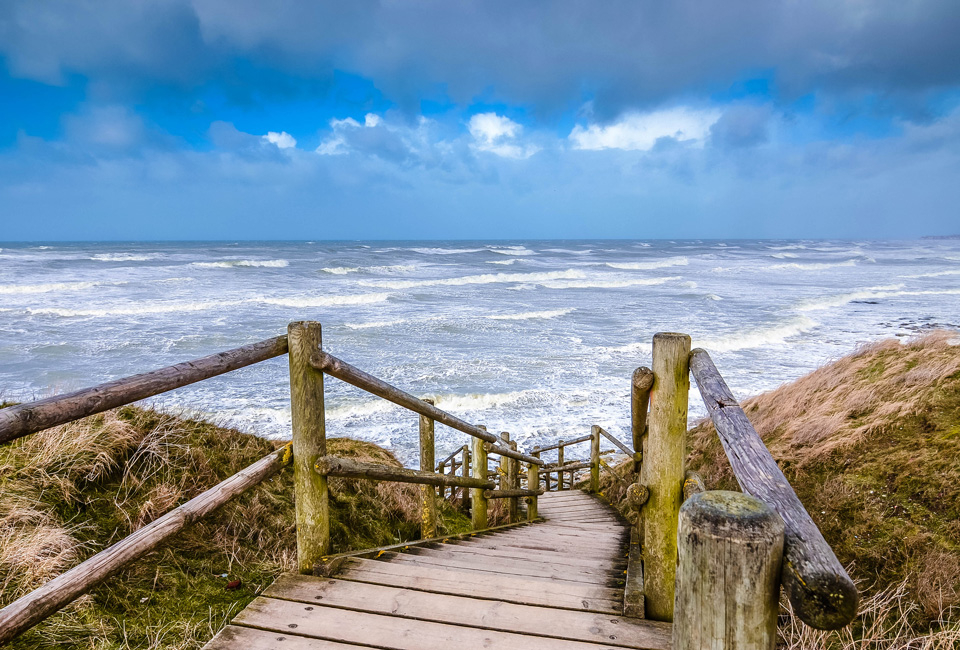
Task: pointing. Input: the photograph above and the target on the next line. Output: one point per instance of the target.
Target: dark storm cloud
(548, 55)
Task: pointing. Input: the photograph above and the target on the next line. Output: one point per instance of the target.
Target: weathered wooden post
(442, 469)
(466, 474)
(309, 444)
(513, 483)
(663, 470)
(728, 576)
(478, 502)
(560, 464)
(428, 494)
(639, 399)
(533, 483)
(595, 459)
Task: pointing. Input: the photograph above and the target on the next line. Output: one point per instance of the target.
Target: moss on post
(533, 483)
(663, 470)
(595, 459)
(428, 493)
(309, 444)
(478, 502)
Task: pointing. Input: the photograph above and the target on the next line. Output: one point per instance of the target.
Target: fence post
(533, 483)
(560, 463)
(639, 399)
(466, 474)
(441, 469)
(309, 444)
(428, 494)
(478, 502)
(595, 459)
(513, 481)
(728, 576)
(663, 470)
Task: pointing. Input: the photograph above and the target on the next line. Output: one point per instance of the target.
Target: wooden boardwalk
(554, 585)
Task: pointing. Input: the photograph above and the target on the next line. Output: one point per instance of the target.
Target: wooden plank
(454, 560)
(821, 592)
(545, 572)
(385, 631)
(459, 610)
(233, 637)
(522, 554)
(452, 581)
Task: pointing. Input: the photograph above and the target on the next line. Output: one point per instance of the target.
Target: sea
(537, 338)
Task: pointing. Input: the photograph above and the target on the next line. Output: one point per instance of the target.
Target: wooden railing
(306, 452)
(712, 562)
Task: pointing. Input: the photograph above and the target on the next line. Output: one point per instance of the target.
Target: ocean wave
(485, 278)
(606, 284)
(505, 262)
(656, 264)
(125, 257)
(936, 274)
(567, 251)
(454, 403)
(841, 299)
(713, 296)
(341, 270)
(814, 266)
(771, 335)
(529, 315)
(393, 268)
(790, 247)
(781, 256)
(519, 251)
(441, 251)
(9, 289)
(326, 301)
(383, 323)
(228, 264)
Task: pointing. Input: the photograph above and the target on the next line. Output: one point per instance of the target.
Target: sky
(494, 119)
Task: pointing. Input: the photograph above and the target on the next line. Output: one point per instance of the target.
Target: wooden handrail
(30, 609)
(23, 419)
(510, 494)
(563, 443)
(821, 592)
(450, 457)
(619, 445)
(349, 468)
(352, 375)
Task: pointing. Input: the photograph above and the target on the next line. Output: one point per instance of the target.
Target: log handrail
(818, 587)
(563, 443)
(23, 419)
(349, 468)
(331, 365)
(30, 609)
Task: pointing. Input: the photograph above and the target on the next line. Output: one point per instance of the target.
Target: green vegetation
(71, 491)
(871, 444)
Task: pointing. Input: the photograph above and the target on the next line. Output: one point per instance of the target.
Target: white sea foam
(125, 257)
(838, 300)
(936, 274)
(606, 284)
(485, 278)
(505, 262)
(764, 336)
(655, 264)
(713, 296)
(567, 251)
(326, 301)
(814, 266)
(519, 251)
(374, 324)
(529, 315)
(341, 270)
(442, 251)
(9, 289)
(781, 256)
(228, 264)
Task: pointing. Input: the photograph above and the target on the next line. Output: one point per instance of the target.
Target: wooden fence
(762, 538)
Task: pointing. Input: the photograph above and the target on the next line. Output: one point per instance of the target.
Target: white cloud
(336, 144)
(283, 140)
(640, 131)
(497, 134)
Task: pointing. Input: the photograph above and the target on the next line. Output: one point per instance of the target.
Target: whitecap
(8, 289)
(326, 301)
(838, 300)
(441, 251)
(656, 264)
(374, 324)
(125, 257)
(607, 284)
(781, 256)
(529, 315)
(519, 251)
(771, 335)
(228, 264)
(505, 262)
(815, 266)
(936, 274)
(340, 270)
(486, 278)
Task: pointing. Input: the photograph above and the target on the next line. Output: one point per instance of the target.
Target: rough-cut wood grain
(469, 612)
(478, 502)
(22, 419)
(309, 444)
(821, 592)
(595, 459)
(663, 470)
(563, 443)
(616, 443)
(510, 494)
(466, 473)
(234, 637)
(350, 468)
(513, 483)
(428, 493)
(640, 385)
(633, 588)
(533, 483)
(386, 631)
(345, 372)
(27, 611)
(728, 577)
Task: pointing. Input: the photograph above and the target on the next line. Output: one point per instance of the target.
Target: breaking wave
(771, 335)
(228, 264)
(814, 266)
(485, 278)
(644, 266)
(529, 315)
(9, 289)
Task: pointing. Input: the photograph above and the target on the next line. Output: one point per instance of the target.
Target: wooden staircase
(556, 585)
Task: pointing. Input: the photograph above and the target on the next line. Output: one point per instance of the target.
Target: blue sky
(235, 119)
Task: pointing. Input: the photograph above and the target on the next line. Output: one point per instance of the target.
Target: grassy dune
(871, 444)
(71, 491)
